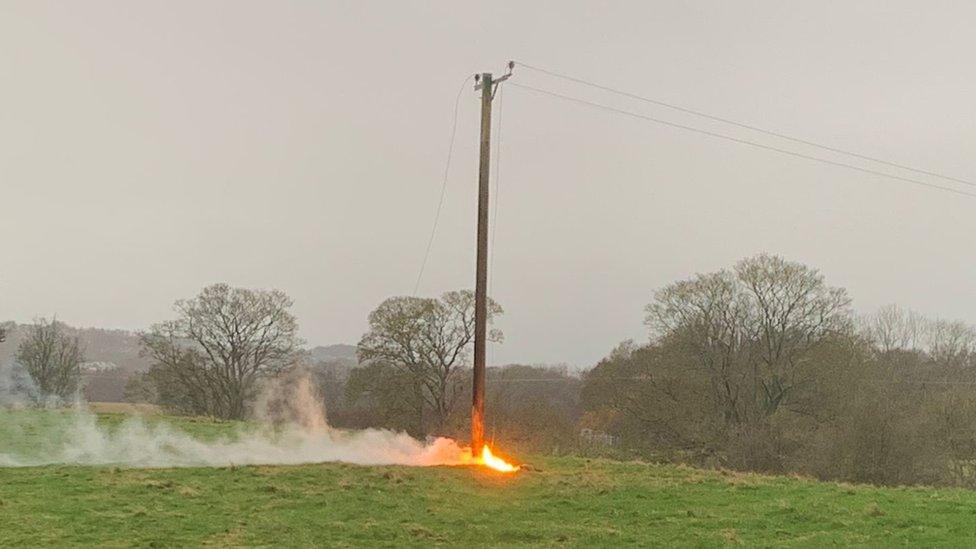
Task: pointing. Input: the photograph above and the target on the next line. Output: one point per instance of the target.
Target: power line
(746, 126)
(494, 213)
(447, 170)
(744, 141)
(498, 176)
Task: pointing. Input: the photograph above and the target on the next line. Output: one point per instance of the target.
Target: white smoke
(17, 389)
(305, 438)
(138, 444)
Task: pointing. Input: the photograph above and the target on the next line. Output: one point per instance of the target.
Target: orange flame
(493, 462)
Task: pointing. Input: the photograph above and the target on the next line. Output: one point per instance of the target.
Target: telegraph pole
(487, 85)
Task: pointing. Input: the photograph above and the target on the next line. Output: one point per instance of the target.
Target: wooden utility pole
(487, 85)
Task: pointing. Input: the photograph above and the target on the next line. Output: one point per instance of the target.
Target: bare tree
(893, 328)
(752, 329)
(794, 310)
(950, 343)
(710, 316)
(429, 339)
(224, 340)
(52, 358)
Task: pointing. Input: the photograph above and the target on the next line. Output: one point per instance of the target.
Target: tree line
(763, 366)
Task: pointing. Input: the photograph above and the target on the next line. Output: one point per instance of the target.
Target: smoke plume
(17, 389)
(292, 431)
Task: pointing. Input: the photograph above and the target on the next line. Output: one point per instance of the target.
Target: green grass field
(561, 501)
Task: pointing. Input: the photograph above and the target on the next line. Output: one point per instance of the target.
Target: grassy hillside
(571, 501)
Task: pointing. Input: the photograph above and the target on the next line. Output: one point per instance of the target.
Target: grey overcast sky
(150, 148)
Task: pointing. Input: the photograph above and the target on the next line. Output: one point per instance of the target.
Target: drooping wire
(494, 206)
(447, 171)
(744, 141)
(750, 127)
(498, 176)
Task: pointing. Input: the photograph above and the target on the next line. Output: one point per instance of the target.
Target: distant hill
(329, 353)
(106, 347)
(111, 356)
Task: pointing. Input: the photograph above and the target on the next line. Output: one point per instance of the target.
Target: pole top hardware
(478, 77)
